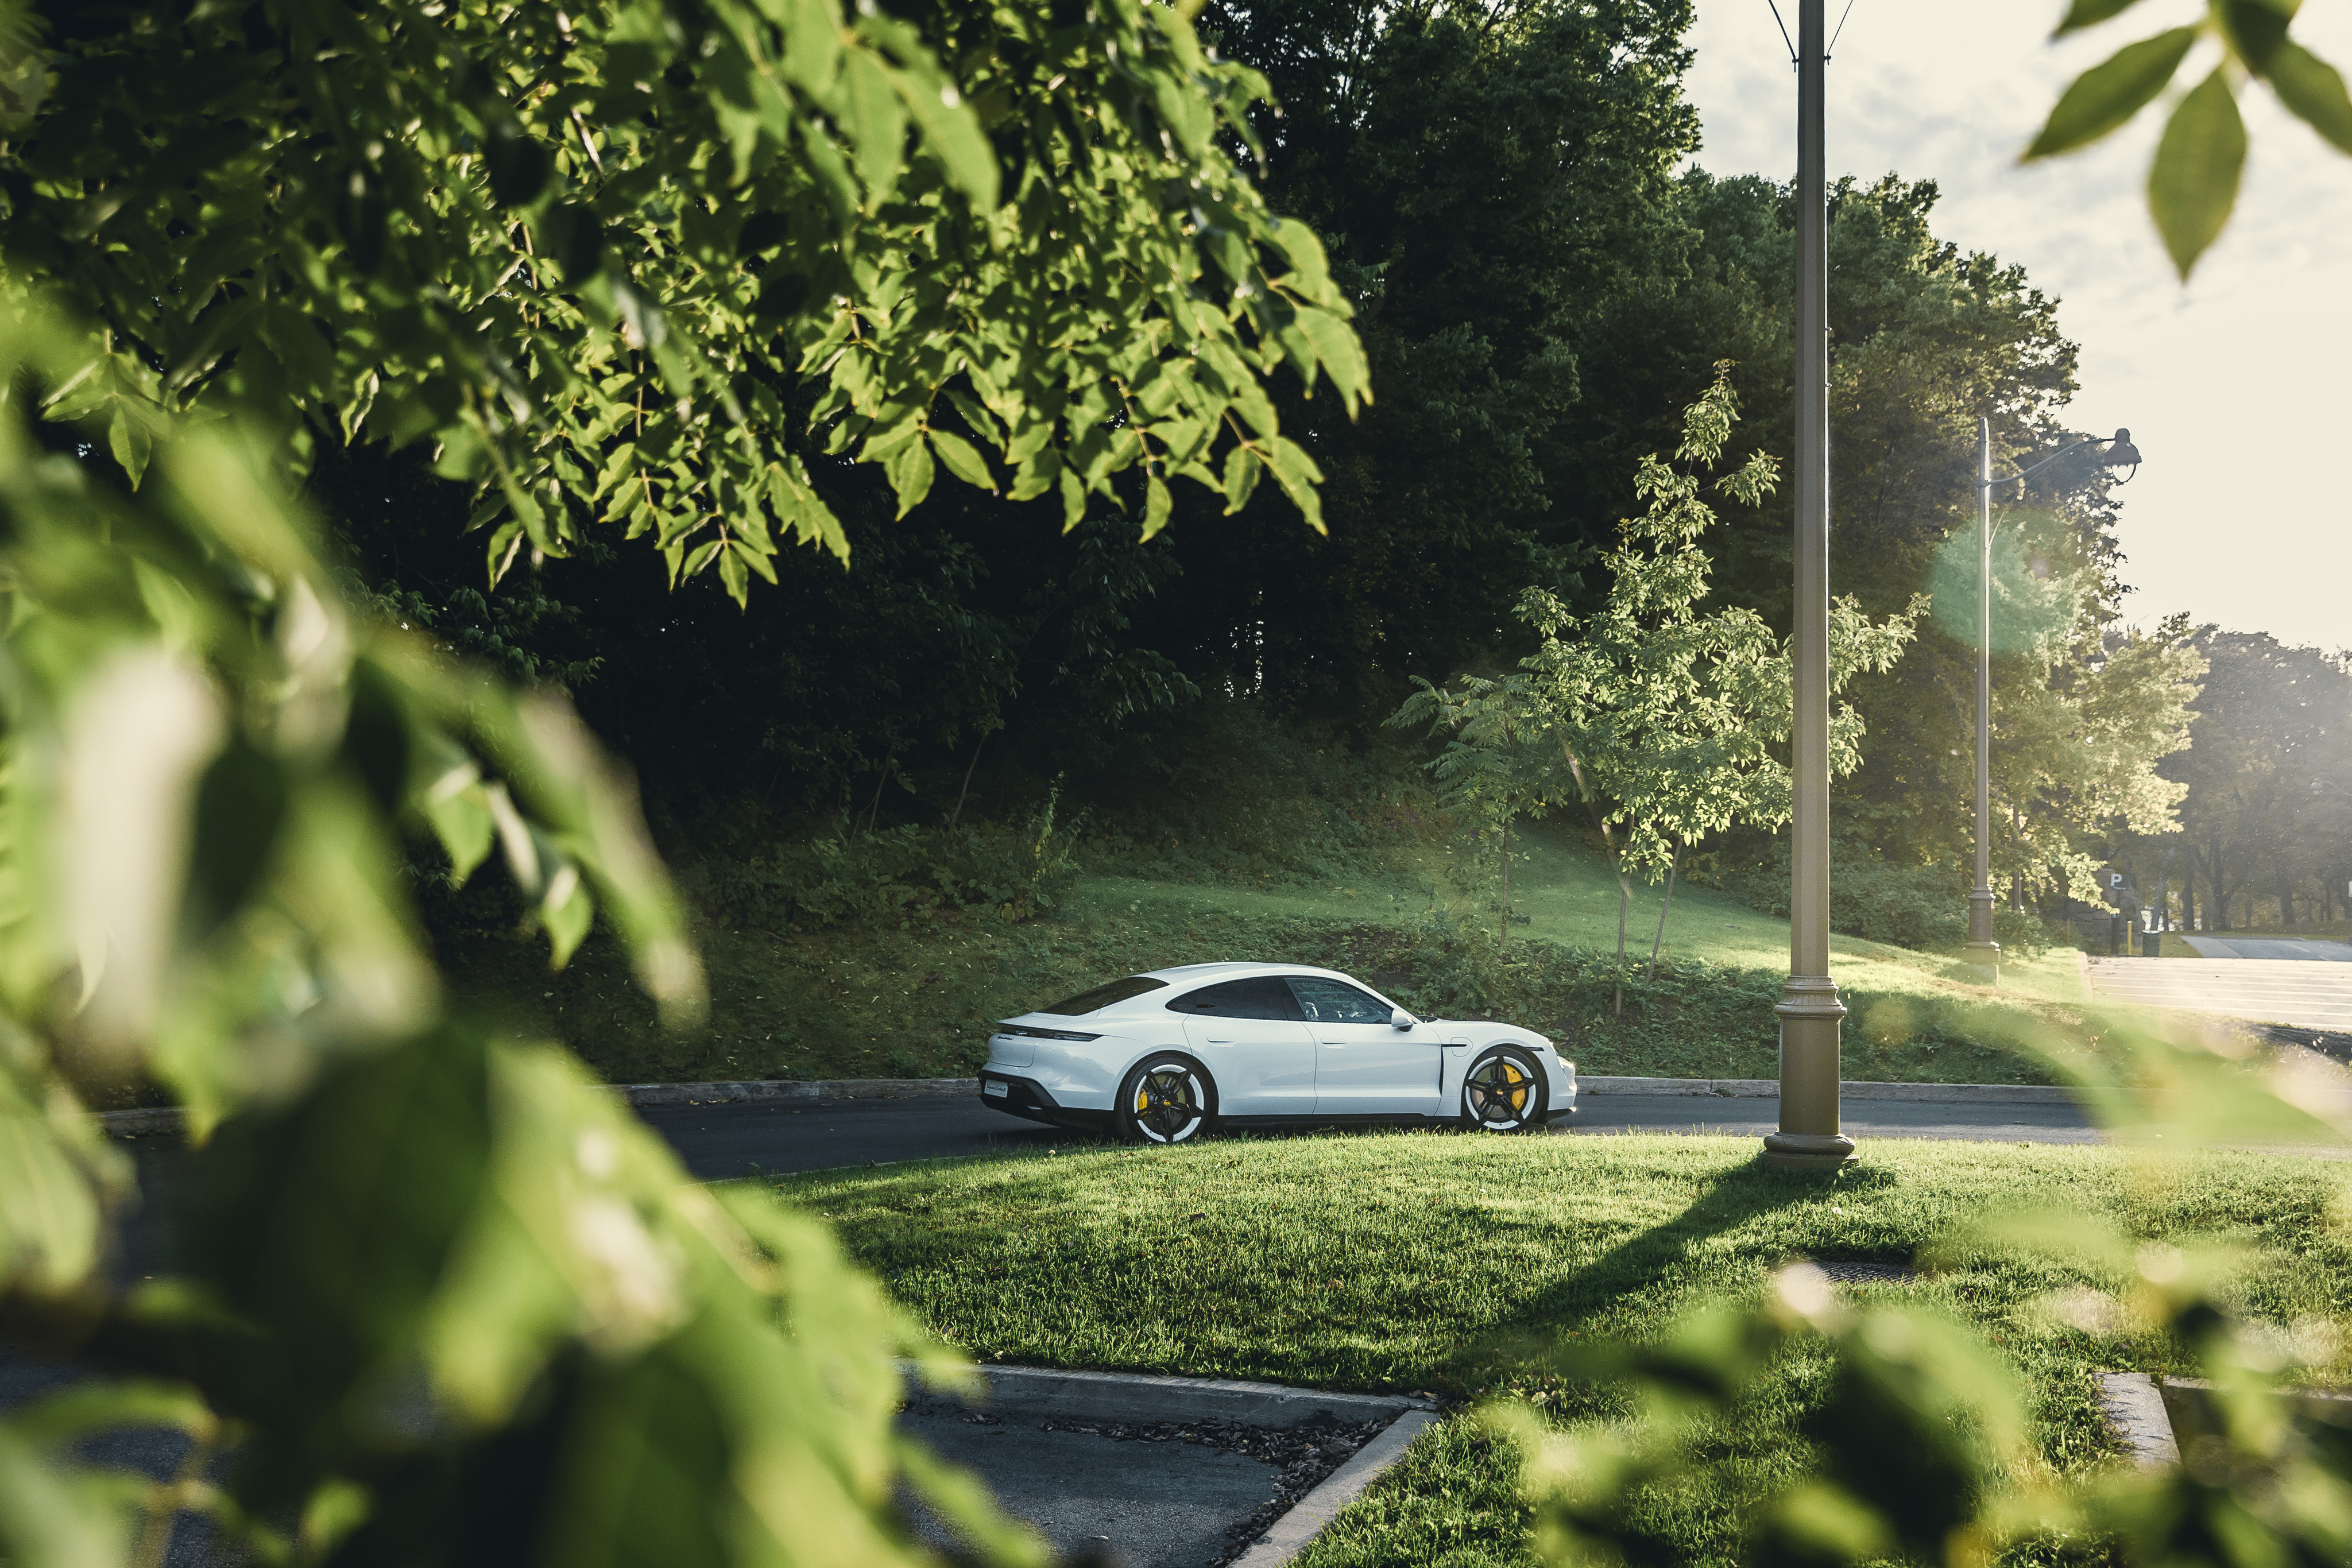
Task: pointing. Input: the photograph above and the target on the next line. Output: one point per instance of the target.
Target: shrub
(901, 874)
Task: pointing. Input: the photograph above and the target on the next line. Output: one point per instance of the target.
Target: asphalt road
(752, 1137)
(1135, 1505)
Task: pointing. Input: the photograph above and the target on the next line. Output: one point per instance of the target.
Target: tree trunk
(2218, 904)
(967, 782)
(873, 811)
(1673, 865)
(1507, 882)
(2286, 901)
(1624, 898)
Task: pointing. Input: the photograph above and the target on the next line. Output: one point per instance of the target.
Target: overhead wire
(1841, 30)
(1784, 32)
(1834, 37)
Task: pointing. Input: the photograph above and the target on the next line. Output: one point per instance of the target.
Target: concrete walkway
(2266, 990)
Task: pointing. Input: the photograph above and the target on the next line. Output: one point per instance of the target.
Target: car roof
(1191, 973)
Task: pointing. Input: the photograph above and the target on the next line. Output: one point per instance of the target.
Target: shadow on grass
(1647, 1258)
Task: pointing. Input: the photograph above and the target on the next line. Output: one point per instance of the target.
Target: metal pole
(1809, 1011)
(1982, 950)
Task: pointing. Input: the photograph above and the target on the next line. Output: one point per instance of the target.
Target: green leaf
(49, 1213)
(732, 575)
(1155, 504)
(1341, 355)
(54, 1517)
(2107, 95)
(518, 164)
(240, 809)
(1073, 500)
(950, 134)
(2255, 29)
(2193, 183)
(756, 559)
(2089, 14)
(127, 438)
(1241, 478)
(877, 122)
(909, 471)
(567, 910)
(963, 460)
(459, 811)
(1297, 475)
(2313, 90)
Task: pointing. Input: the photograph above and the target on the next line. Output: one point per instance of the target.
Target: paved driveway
(2312, 995)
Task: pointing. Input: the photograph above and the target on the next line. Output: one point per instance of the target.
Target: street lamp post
(1980, 950)
(1809, 1012)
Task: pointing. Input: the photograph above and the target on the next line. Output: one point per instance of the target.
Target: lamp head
(2121, 453)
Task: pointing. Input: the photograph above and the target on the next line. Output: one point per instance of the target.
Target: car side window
(1328, 1002)
(1264, 997)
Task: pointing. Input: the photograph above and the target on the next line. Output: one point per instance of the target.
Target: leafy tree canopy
(667, 267)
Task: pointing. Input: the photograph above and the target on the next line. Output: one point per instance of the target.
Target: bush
(1924, 908)
(901, 874)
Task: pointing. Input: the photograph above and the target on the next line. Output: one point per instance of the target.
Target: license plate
(994, 1090)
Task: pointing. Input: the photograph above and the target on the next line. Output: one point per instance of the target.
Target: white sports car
(1161, 1057)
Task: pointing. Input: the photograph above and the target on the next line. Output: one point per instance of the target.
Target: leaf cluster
(440, 1296)
(2192, 181)
(666, 267)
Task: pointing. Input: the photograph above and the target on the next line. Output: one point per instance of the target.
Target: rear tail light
(1023, 1028)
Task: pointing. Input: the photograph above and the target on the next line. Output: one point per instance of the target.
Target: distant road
(2266, 948)
(2313, 995)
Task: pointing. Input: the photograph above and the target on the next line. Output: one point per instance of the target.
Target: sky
(2234, 387)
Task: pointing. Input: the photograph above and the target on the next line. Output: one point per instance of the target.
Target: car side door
(1365, 1065)
(1248, 1034)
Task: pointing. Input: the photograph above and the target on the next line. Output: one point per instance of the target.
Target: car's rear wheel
(1503, 1091)
(1167, 1098)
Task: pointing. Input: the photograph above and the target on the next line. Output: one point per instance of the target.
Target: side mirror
(1401, 1020)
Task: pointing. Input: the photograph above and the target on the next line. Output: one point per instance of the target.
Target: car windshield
(1102, 996)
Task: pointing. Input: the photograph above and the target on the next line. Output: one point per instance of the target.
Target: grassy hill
(912, 997)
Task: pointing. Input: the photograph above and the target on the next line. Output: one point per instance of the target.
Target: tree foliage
(667, 269)
(1663, 723)
(439, 1297)
(2265, 789)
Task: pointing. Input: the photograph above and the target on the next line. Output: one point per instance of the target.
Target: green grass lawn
(870, 1001)
(1431, 1262)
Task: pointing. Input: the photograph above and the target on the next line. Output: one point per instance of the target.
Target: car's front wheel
(1503, 1091)
(1167, 1098)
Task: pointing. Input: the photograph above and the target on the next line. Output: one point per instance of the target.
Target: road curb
(1052, 1394)
(1288, 1535)
(167, 1119)
(2134, 1407)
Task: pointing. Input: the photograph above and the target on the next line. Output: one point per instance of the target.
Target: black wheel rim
(1167, 1104)
(1500, 1092)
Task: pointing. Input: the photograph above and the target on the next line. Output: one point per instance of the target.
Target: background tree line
(1542, 280)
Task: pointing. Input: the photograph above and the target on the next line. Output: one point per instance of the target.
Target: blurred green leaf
(2084, 13)
(2255, 28)
(2313, 91)
(2193, 182)
(53, 1518)
(2107, 95)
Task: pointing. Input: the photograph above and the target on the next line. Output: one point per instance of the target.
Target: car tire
(1165, 1099)
(1503, 1091)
